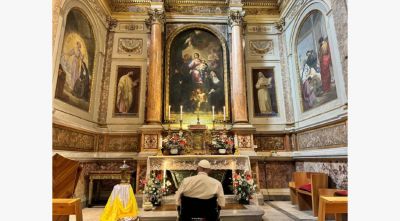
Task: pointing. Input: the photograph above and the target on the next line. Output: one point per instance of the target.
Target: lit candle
(224, 114)
(169, 112)
(213, 112)
(181, 111)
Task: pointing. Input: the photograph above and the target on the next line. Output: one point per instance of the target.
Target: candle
(224, 114)
(213, 112)
(181, 111)
(169, 112)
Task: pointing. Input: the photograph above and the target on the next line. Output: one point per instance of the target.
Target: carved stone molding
(155, 16)
(130, 46)
(128, 26)
(261, 11)
(261, 47)
(326, 137)
(99, 11)
(123, 143)
(236, 18)
(268, 142)
(112, 23)
(295, 8)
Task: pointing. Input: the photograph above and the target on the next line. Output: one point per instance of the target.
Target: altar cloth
(121, 204)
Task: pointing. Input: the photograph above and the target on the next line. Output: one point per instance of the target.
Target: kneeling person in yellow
(200, 196)
(121, 204)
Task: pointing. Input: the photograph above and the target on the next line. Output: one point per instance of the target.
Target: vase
(174, 151)
(155, 201)
(244, 201)
(222, 151)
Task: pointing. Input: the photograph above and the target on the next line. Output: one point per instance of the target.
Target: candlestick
(169, 112)
(213, 113)
(224, 114)
(181, 111)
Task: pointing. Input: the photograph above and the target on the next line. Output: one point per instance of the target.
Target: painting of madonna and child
(196, 75)
(76, 64)
(315, 63)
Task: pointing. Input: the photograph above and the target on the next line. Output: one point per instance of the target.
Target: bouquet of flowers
(167, 188)
(222, 141)
(175, 141)
(152, 188)
(243, 187)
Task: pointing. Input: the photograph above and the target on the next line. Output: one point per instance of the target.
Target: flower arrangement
(175, 141)
(152, 188)
(243, 187)
(222, 141)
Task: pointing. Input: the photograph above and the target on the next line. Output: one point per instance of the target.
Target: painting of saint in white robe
(264, 94)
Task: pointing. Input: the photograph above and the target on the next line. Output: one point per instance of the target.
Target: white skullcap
(204, 164)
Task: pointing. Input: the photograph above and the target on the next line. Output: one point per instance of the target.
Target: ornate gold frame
(167, 63)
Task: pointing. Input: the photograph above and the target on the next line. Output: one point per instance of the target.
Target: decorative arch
(170, 64)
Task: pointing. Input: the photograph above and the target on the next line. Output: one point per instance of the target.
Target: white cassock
(201, 186)
(264, 100)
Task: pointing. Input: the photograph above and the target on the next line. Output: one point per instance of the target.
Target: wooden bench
(67, 207)
(332, 205)
(310, 200)
(293, 193)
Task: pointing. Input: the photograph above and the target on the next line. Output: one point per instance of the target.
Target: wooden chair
(310, 200)
(68, 207)
(331, 205)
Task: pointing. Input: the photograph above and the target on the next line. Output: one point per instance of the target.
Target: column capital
(155, 16)
(236, 17)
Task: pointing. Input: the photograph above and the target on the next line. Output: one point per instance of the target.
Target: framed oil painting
(196, 76)
(314, 62)
(127, 91)
(75, 73)
(264, 92)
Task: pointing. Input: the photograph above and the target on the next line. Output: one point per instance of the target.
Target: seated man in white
(200, 197)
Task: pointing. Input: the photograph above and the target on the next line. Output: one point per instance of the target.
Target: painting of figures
(127, 91)
(264, 94)
(196, 73)
(76, 62)
(315, 63)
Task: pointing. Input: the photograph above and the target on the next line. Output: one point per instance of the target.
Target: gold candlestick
(180, 124)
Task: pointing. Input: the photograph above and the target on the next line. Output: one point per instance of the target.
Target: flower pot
(244, 201)
(222, 151)
(174, 151)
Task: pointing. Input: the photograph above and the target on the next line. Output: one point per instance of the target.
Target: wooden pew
(332, 205)
(328, 208)
(298, 179)
(310, 200)
(293, 193)
(68, 207)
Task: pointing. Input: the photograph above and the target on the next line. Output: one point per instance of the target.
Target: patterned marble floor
(274, 211)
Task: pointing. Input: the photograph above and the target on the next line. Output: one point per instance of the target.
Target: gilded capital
(236, 17)
(112, 23)
(155, 16)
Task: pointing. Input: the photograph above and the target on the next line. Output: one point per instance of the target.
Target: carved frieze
(197, 10)
(123, 143)
(128, 26)
(268, 142)
(244, 141)
(130, 46)
(326, 137)
(71, 139)
(130, 7)
(261, 47)
(261, 11)
(258, 28)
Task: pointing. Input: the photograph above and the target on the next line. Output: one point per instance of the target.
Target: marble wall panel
(336, 170)
(325, 137)
(275, 174)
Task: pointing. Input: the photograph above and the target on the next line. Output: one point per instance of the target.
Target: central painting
(196, 76)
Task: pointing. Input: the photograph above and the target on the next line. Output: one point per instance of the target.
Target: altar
(186, 165)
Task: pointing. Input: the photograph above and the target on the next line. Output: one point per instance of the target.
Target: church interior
(142, 90)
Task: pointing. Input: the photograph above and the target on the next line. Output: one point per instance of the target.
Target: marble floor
(274, 211)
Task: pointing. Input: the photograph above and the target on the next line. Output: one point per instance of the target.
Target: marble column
(239, 101)
(154, 80)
